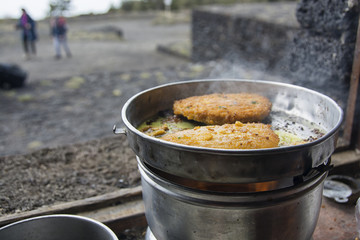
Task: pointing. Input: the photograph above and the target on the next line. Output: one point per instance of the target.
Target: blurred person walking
(59, 33)
(28, 33)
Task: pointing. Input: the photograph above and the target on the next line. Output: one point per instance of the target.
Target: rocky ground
(56, 140)
(68, 107)
(49, 124)
(102, 67)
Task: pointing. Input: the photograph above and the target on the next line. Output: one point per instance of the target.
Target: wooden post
(353, 92)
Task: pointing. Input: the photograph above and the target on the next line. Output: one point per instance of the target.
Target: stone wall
(323, 49)
(210, 35)
(337, 18)
(311, 42)
(257, 32)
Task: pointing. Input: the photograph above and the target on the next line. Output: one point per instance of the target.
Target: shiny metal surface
(290, 104)
(174, 212)
(342, 188)
(149, 235)
(57, 227)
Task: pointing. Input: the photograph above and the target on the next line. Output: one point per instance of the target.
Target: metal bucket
(177, 212)
(57, 227)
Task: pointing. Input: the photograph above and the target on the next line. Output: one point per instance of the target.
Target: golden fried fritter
(227, 136)
(224, 108)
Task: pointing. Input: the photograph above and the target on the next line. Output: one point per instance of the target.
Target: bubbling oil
(291, 130)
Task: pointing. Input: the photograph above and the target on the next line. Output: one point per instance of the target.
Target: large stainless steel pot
(291, 104)
(176, 212)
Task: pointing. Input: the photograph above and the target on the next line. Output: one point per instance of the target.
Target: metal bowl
(57, 227)
(291, 104)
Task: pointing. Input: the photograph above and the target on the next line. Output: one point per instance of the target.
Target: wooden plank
(353, 92)
(120, 217)
(115, 212)
(345, 157)
(73, 207)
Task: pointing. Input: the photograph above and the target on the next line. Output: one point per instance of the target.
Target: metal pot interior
(298, 109)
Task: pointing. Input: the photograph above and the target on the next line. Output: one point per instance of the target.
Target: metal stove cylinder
(177, 212)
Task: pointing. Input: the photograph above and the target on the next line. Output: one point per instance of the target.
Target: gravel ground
(96, 47)
(65, 113)
(56, 140)
(101, 72)
(45, 131)
(52, 113)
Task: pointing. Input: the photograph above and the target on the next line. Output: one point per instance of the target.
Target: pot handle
(117, 130)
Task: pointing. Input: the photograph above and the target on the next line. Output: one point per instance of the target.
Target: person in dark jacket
(28, 33)
(59, 33)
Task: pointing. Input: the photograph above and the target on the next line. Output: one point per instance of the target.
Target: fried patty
(227, 136)
(224, 108)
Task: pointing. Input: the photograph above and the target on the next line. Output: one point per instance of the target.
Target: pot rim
(219, 151)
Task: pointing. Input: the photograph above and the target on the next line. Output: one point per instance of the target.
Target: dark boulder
(330, 17)
(12, 76)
